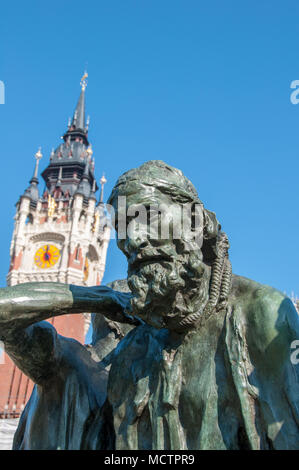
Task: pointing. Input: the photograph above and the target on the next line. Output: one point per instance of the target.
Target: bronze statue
(189, 357)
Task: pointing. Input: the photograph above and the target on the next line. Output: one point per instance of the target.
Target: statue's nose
(136, 243)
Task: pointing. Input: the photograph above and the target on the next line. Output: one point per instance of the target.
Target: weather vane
(83, 81)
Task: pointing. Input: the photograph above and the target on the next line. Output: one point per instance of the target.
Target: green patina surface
(190, 357)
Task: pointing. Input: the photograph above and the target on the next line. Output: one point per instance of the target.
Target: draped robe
(229, 384)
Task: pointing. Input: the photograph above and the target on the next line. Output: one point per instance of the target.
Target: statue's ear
(211, 233)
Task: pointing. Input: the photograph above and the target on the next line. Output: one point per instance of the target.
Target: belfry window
(29, 219)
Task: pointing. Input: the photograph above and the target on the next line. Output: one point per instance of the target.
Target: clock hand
(47, 254)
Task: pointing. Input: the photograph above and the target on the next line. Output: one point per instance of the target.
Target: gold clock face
(46, 256)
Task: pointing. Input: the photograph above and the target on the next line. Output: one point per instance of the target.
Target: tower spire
(83, 81)
(67, 162)
(103, 181)
(38, 156)
(77, 126)
(32, 190)
(78, 121)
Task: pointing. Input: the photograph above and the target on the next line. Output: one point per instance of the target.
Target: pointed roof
(68, 161)
(84, 187)
(32, 191)
(71, 165)
(78, 128)
(78, 121)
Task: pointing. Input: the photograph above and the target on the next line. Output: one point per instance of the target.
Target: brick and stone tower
(61, 236)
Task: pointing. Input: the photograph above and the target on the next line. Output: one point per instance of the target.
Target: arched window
(82, 220)
(29, 219)
(77, 252)
(82, 217)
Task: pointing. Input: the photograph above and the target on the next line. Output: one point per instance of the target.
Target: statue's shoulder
(250, 292)
(266, 314)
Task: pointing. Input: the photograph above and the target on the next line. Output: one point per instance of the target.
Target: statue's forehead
(140, 193)
(141, 190)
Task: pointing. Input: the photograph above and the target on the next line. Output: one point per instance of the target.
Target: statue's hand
(119, 304)
(113, 304)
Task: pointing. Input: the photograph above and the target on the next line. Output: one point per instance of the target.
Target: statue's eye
(153, 214)
(193, 218)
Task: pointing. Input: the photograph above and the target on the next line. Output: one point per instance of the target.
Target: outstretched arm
(33, 345)
(25, 304)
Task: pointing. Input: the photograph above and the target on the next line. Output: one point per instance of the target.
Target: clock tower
(61, 234)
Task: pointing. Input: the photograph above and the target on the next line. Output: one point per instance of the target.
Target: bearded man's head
(174, 273)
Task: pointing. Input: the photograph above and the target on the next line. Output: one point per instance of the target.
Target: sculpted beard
(166, 292)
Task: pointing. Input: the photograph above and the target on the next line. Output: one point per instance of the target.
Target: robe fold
(230, 384)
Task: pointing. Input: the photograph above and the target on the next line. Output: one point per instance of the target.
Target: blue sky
(204, 86)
